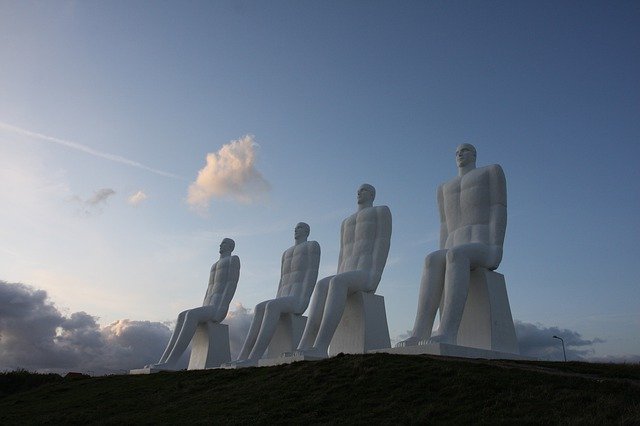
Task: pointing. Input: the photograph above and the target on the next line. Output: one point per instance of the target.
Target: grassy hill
(378, 388)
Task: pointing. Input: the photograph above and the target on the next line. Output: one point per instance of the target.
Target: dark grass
(356, 389)
(12, 382)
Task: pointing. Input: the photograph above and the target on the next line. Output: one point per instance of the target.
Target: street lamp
(563, 351)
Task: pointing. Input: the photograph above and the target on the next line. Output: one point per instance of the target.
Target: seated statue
(473, 218)
(223, 281)
(299, 272)
(365, 237)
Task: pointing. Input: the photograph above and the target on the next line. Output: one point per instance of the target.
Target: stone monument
(345, 304)
(210, 344)
(278, 323)
(458, 279)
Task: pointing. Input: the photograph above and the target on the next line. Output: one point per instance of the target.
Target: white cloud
(230, 172)
(137, 198)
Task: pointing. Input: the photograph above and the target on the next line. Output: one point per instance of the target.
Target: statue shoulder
(494, 168)
(383, 211)
(235, 261)
(313, 246)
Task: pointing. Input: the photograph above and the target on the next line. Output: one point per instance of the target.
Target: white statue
(299, 272)
(365, 237)
(473, 220)
(223, 281)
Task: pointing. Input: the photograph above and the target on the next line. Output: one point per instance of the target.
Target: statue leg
(431, 286)
(340, 287)
(256, 323)
(191, 320)
(174, 337)
(270, 320)
(460, 260)
(316, 311)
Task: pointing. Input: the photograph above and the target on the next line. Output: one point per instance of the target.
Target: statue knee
(323, 284)
(454, 255)
(260, 307)
(432, 260)
(271, 308)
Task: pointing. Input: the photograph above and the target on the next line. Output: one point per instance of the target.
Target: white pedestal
(486, 320)
(446, 349)
(287, 335)
(209, 346)
(363, 326)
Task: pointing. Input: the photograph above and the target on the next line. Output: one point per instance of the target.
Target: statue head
(301, 231)
(465, 155)
(366, 194)
(227, 245)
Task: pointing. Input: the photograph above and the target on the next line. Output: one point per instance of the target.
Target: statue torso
(467, 207)
(296, 262)
(219, 277)
(359, 233)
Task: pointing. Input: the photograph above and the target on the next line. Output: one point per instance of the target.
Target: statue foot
(312, 353)
(442, 338)
(411, 341)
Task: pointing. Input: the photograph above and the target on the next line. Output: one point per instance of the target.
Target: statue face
(226, 246)
(465, 155)
(301, 230)
(365, 194)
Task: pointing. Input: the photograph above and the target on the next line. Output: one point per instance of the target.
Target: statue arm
(498, 214)
(281, 275)
(444, 233)
(311, 275)
(341, 246)
(382, 242)
(229, 289)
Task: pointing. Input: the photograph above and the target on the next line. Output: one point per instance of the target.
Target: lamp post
(563, 351)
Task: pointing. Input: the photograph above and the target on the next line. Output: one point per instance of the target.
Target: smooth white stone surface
(146, 370)
(473, 218)
(486, 320)
(209, 346)
(277, 324)
(445, 349)
(287, 335)
(365, 237)
(363, 325)
(211, 343)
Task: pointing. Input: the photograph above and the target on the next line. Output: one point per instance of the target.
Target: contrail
(87, 150)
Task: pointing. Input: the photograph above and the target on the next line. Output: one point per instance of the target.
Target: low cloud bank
(36, 336)
(537, 341)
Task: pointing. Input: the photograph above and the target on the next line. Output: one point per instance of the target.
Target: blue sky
(334, 94)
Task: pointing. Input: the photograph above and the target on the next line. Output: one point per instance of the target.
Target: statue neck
(224, 254)
(301, 240)
(364, 206)
(466, 169)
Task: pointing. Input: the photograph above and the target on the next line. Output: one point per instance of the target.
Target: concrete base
(486, 320)
(286, 360)
(145, 371)
(446, 349)
(363, 326)
(209, 346)
(287, 335)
